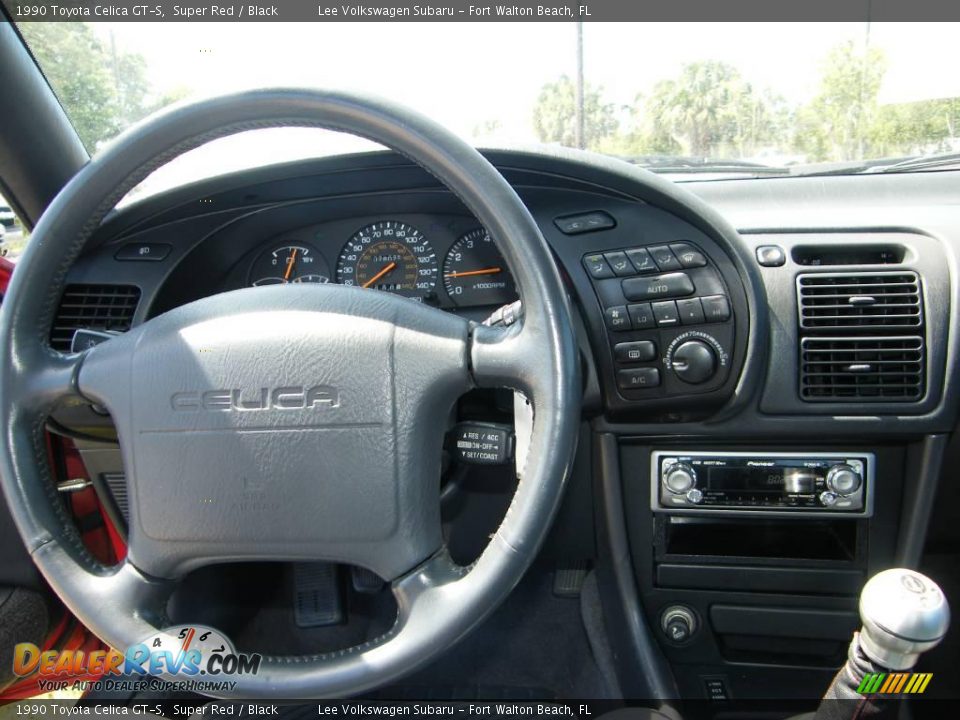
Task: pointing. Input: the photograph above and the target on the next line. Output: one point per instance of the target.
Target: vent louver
(862, 369)
(855, 300)
(95, 307)
(861, 337)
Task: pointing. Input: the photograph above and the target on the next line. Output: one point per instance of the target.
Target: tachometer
(287, 263)
(392, 256)
(475, 273)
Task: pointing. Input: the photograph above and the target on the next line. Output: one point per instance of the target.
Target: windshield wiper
(686, 164)
(924, 162)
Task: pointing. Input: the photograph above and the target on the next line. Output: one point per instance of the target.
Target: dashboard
(687, 310)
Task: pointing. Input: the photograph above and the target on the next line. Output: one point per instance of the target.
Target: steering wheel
(288, 423)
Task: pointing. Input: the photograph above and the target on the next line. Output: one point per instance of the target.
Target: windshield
(696, 101)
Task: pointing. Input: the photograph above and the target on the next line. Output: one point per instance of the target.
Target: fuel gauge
(289, 263)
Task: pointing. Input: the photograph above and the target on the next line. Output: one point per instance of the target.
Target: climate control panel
(668, 319)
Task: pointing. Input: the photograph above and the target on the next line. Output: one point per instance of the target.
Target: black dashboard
(681, 315)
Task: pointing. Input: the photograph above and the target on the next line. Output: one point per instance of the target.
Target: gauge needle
(386, 269)
(468, 273)
(290, 261)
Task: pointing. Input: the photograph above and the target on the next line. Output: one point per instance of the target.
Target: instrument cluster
(448, 264)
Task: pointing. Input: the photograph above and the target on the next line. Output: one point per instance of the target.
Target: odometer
(475, 273)
(391, 256)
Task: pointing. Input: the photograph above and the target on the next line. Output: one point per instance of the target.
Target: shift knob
(904, 614)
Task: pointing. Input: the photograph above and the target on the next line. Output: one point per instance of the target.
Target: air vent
(848, 301)
(862, 369)
(97, 307)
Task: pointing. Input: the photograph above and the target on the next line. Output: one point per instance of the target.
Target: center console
(749, 558)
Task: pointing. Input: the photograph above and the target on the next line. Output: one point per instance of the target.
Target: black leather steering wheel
(288, 423)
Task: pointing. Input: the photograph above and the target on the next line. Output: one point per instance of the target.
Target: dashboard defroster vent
(862, 369)
(95, 307)
(859, 300)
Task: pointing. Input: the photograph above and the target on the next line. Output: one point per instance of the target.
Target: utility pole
(578, 91)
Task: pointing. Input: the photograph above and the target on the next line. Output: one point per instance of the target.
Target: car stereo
(762, 482)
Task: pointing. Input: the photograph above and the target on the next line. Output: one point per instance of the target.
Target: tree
(916, 127)
(554, 115)
(837, 123)
(101, 89)
(709, 110)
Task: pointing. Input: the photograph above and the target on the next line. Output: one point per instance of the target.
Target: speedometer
(392, 256)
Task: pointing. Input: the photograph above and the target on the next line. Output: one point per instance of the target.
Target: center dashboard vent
(93, 307)
(862, 337)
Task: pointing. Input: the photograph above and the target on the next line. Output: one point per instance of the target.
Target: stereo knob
(843, 480)
(679, 478)
(694, 362)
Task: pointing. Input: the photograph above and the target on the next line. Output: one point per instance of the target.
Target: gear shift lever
(904, 614)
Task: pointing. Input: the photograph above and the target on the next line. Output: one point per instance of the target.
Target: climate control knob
(694, 362)
(679, 478)
(843, 480)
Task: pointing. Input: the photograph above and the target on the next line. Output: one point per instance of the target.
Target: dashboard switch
(771, 255)
(716, 308)
(666, 313)
(597, 267)
(664, 257)
(619, 263)
(638, 378)
(694, 362)
(641, 260)
(617, 318)
(641, 316)
(480, 443)
(691, 311)
(688, 255)
(143, 252)
(657, 286)
(634, 352)
(587, 222)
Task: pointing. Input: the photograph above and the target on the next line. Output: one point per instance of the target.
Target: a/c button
(638, 378)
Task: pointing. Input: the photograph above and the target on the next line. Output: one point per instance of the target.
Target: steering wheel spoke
(123, 604)
(49, 379)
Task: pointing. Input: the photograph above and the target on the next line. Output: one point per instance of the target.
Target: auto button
(657, 286)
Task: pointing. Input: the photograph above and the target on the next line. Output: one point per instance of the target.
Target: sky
(465, 74)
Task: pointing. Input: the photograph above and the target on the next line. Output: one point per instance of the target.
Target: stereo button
(843, 480)
(679, 478)
(828, 499)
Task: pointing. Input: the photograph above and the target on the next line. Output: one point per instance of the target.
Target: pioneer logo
(292, 397)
